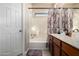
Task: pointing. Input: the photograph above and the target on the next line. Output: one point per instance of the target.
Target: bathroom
(39, 29)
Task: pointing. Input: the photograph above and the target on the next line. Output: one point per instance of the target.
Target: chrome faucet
(76, 30)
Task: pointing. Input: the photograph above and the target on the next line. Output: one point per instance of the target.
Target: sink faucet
(76, 30)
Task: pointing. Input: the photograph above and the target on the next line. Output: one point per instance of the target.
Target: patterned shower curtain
(60, 20)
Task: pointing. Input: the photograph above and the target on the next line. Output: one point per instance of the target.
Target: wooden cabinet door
(63, 53)
(56, 50)
(71, 51)
(51, 46)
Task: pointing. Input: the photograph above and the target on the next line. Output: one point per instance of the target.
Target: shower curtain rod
(52, 8)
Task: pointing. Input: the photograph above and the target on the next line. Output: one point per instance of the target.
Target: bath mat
(33, 52)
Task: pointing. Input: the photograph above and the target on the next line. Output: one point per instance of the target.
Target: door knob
(20, 30)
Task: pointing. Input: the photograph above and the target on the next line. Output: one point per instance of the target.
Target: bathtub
(38, 43)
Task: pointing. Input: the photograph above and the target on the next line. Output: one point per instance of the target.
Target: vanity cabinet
(56, 46)
(63, 53)
(59, 48)
(70, 50)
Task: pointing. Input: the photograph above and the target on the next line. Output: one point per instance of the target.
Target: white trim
(39, 48)
(26, 51)
(12, 53)
(23, 28)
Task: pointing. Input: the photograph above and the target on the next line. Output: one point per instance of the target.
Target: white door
(10, 29)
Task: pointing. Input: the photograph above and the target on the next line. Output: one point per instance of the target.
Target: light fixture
(58, 5)
(41, 14)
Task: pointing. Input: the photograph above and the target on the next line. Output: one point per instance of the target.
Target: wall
(26, 27)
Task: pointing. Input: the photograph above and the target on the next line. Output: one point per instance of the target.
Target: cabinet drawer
(56, 41)
(68, 49)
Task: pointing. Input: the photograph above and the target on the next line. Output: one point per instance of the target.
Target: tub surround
(63, 45)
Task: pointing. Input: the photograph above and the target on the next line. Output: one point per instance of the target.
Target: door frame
(24, 34)
(23, 29)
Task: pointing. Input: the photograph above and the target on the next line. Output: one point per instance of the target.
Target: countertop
(73, 40)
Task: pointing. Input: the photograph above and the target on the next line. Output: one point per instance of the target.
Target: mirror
(75, 20)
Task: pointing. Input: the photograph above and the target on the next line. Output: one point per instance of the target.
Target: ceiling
(52, 5)
(43, 7)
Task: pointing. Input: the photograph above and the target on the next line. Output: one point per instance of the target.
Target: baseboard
(21, 54)
(26, 51)
(38, 48)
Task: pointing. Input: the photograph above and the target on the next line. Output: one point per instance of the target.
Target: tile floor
(45, 53)
(34, 52)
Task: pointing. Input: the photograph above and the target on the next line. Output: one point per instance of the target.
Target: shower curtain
(60, 20)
